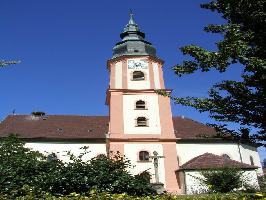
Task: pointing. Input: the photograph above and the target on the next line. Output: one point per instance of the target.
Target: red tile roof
(189, 129)
(55, 126)
(84, 127)
(210, 161)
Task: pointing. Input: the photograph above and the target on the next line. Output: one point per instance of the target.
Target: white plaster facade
(130, 114)
(131, 152)
(247, 151)
(60, 149)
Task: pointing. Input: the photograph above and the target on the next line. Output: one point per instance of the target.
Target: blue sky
(63, 46)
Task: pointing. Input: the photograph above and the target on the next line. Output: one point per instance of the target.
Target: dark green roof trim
(133, 42)
(146, 42)
(124, 34)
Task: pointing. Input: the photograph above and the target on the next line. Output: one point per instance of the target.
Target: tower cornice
(108, 92)
(142, 139)
(124, 57)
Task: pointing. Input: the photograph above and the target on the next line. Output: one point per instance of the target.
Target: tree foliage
(4, 63)
(18, 165)
(223, 179)
(23, 170)
(243, 45)
(107, 196)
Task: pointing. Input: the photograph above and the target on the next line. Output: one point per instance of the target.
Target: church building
(140, 125)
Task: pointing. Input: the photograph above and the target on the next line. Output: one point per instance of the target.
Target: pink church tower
(141, 120)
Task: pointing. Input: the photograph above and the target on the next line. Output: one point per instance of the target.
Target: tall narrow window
(144, 156)
(142, 121)
(138, 76)
(251, 160)
(140, 105)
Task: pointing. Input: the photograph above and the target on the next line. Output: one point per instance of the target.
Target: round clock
(137, 64)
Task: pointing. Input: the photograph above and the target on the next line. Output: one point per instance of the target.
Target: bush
(18, 165)
(107, 196)
(223, 179)
(23, 171)
(262, 183)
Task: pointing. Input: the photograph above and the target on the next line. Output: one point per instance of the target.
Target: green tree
(24, 171)
(4, 63)
(101, 173)
(243, 45)
(18, 165)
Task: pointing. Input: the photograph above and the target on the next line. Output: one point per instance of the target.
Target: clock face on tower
(137, 64)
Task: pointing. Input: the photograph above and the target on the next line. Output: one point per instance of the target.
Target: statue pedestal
(158, 187)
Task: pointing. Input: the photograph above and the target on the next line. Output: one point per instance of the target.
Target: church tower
(141, 120)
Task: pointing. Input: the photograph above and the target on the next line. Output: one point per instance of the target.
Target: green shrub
(222, 179)
(18, 166)
(107, 196)
(262, 183)
(24, 172)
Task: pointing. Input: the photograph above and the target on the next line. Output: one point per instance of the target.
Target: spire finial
(131, 13)
(131, 21)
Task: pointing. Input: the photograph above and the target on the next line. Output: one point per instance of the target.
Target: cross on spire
(131, 13)
(131, 21)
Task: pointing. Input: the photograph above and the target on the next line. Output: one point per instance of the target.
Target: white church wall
(156, 76)
(195, 186)
(144, 84)
(251, 178)
(130, 114)
(118, 75)
(60, 149)
(131, 152)
(188, 151)
(246, 152)
(193, 183)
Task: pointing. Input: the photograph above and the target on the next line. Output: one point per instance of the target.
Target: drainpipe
(185, 182)
(107, 143)
(238, 145)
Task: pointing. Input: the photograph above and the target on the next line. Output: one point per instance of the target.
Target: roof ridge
(195, 158)
(65, 115)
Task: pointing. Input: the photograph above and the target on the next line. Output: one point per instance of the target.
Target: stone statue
(155, 158)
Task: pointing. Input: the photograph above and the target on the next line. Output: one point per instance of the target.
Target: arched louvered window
(144, 156)
(138, 76)
(140, 105)
(142, 121)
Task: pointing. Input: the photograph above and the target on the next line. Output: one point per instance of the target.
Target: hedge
(106, 196)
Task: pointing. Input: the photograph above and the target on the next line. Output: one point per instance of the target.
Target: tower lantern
(133, 42)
